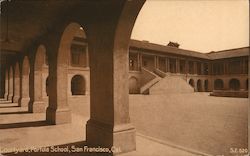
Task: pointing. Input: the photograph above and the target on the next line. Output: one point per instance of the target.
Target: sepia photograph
(124, 78)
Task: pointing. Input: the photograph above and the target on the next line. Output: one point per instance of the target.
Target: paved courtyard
(184, 124)
(209, 124)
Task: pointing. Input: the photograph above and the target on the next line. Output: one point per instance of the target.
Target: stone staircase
(162, 83)
(149, 79)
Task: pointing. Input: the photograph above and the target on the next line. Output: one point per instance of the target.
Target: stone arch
(218, 84)
(206, 85)
(199, 85)
(133, 85)
(109, 73)
(59, 61)
(234, 84)
(191, 82)
(24, 100)
(16, 83)
(78, 85)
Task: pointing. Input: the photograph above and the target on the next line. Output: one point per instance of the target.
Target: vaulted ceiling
(23, 21)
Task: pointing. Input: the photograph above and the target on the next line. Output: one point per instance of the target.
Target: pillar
(202, 69)
(16, 84)
(36, 104)
(139, 62)
(195, 67)
(167, 64)
(109, 123)
(24, 98)
(6, 84)
(11, 86)
(177, 65)
(87, 56)
(156, 62)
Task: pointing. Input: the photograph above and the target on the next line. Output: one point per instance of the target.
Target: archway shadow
(17, 112)
(70, 146)
(24, 124)
(8, 106)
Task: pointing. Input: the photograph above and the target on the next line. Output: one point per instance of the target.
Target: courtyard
(173, 124)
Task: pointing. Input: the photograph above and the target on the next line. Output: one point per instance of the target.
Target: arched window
(133, 86)
(199, 86)
(78, 85)
(206, 85)
(191, 82)
(234, 84)
(218, 84)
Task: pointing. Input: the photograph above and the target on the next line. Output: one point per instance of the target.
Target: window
(78, 55)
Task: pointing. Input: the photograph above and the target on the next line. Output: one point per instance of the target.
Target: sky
(199, 25)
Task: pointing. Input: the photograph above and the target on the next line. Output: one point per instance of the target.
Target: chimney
(173, 44)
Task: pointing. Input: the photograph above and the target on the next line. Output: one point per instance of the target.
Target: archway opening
(133, 86)
(218, 84)
(191, 82)
(78, 86)
(234, 84)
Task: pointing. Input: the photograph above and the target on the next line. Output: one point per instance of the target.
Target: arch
(191, 82)
(133, 85)
(199, 86)
(218, 84)
(234, 84)
(78, 85)
(206, 85)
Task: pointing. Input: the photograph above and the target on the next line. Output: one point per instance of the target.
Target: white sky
(200, 25)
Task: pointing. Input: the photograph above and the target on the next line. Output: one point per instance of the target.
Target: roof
(238, 52)
(166, 49)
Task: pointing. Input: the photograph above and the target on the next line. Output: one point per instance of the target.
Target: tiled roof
(238, 52)
(177, 51)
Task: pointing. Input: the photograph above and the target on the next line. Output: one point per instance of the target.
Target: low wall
(228, 93)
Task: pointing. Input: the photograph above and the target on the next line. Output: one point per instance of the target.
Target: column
(24, 95)
(202, 69)
(156, 62)
(24, 100)
(167, 65)
(36, 104)
(11, 86)
(138, 61)
(195, 67)
(16, 84)
(177, 65)
(6, 84)
(87, 56)
(186, 67)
